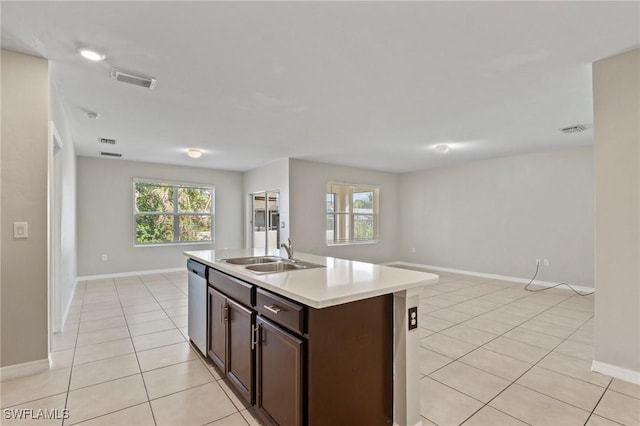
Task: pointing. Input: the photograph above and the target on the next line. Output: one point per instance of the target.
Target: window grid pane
(154, 198)
(352, 213)
(172, 213)
(154, 229)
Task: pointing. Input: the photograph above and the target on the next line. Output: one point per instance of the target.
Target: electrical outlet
(413, 318)
(537, 262)
(413, 249)
(105, 257)
(546, 262)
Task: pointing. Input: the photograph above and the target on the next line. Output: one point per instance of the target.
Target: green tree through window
(172, 213)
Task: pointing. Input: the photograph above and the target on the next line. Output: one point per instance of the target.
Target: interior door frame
(54, 235)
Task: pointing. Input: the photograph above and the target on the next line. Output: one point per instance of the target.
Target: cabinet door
(217, 347)
(240, 362)
(279, 374)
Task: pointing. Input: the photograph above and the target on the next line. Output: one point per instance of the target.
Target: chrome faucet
(289, 248)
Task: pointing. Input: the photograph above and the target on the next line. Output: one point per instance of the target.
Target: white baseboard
(583, 289)
(132, 273)
(26, 368)
(617, 372)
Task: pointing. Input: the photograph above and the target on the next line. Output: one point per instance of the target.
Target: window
(352, 213)
(172, 213)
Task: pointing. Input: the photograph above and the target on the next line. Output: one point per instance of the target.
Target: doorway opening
(265, 220)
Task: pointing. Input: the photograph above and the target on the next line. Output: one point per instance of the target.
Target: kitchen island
(335, 343)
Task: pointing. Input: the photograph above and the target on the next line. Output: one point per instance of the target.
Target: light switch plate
(20, 230)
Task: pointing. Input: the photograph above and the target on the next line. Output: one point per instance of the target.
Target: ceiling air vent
(574, 129)
(137, 80)
(105, 140)
(111, 154)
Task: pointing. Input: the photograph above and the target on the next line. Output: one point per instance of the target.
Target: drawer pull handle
(273, 308)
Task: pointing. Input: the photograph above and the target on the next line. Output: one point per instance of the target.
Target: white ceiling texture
(366, 84)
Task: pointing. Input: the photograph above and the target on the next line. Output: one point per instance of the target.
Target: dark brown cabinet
(303, 366)
(240, 354)
(279, 387)
(231, 328)
(217, 345)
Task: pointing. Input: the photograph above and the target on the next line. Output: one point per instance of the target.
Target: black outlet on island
(413, 318)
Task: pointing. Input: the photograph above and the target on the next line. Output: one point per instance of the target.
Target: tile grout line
(529, 369)
(547, 309)
(210, 375)
(533, 365)
(475, 317)
(499, 307)
(146, 391)
(550, 307)
(597, 403)
(75, 347)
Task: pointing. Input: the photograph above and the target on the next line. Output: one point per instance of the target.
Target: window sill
(352, 243)
(194, 243)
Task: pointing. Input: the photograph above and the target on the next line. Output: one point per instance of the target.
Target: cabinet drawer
(233, 288)
(285, 312)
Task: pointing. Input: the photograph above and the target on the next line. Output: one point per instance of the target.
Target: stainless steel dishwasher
(197, 320)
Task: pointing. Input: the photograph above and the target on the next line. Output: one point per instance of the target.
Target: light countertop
(341, 281)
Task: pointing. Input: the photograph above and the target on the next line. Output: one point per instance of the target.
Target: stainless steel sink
(252, 260)
(285, 265)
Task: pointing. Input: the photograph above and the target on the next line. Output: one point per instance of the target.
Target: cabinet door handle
(255, 337)
(273, 308)
(224, 313)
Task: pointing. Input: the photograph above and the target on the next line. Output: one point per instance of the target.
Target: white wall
(24, 155)
(105, 215)
(308, 210)
(497, 216)
(273, 176)
(65, 164)
(616, 83)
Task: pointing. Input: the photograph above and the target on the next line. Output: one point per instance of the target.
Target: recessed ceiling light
(194, 153)
(91, 55)
(442, 148)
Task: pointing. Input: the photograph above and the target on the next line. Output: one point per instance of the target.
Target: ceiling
(365, 84)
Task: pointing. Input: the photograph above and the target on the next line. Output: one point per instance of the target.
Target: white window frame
(176, 214)
(350, 189)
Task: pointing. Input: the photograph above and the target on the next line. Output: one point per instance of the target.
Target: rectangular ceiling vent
(108, 141)
(111, 154)
(574, 129)
(137, 80)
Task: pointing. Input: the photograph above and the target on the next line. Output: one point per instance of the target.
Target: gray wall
(307, 190)
(616, 83)
(497, 216)
(65, 206)
(24, 154)
(273, 176)
(105, 215)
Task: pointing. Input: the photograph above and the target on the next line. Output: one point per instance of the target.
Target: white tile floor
(491, 354)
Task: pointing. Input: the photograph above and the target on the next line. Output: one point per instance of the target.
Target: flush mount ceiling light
(93, 115)
(194, 153)
(442, 148)
(91, 55)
